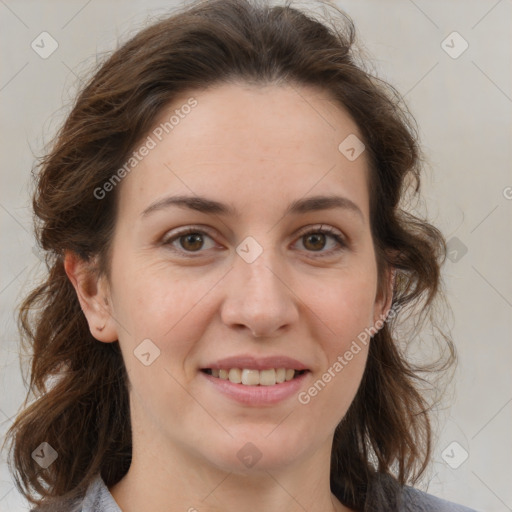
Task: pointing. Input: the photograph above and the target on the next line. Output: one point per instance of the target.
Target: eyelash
(200, 231)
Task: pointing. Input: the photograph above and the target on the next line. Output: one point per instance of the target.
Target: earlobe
(93, 294)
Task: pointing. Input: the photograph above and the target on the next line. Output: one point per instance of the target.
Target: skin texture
(256, 149)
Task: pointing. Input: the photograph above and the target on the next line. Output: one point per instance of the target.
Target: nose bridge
(262, 275)
(260, 268)
(258, 297)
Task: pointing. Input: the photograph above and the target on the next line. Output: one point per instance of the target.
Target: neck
(172, 481)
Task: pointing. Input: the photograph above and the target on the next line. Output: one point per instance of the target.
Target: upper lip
(256, 363)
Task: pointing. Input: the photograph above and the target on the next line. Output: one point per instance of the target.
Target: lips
(257, 395)
(256, 363)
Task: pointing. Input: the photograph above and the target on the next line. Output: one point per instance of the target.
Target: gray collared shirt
(99, 499)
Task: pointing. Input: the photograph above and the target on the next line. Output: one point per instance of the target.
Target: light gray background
(463, 107)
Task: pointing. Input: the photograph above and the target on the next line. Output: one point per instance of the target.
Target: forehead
(248, 144)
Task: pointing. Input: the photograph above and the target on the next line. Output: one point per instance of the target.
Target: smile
(254, 377)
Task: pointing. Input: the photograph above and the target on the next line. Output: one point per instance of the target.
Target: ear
(94, 295)
(385, 296)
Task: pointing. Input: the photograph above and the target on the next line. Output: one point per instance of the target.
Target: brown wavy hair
(78, 387)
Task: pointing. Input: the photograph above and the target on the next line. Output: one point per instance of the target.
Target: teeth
(268, 377)
(251, 377)
(280, 375)
(235, 375)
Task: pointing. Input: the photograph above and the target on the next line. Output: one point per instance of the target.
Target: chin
(253, 452)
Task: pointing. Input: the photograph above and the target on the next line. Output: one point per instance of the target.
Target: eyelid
(334, 233)
(321, 228)
(169, 235)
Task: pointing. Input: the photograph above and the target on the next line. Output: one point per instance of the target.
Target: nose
(259, 298)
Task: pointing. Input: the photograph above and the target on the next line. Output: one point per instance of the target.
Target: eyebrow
(209, 206)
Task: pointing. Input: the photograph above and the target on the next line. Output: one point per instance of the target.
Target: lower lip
(257, 395)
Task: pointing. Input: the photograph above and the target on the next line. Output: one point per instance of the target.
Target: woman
(228, 263)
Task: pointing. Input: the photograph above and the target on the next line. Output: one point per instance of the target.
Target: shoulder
(415, 500)
(97, 499)
(384, 493)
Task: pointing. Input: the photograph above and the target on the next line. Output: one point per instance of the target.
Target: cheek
(168, 311)
(346, 309)
(154, 302)
(345, 306)
(172, 312)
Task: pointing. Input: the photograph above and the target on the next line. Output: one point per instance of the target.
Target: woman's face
(255, 284)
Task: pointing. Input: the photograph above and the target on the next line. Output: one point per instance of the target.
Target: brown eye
(191, 242)
(315, 241)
